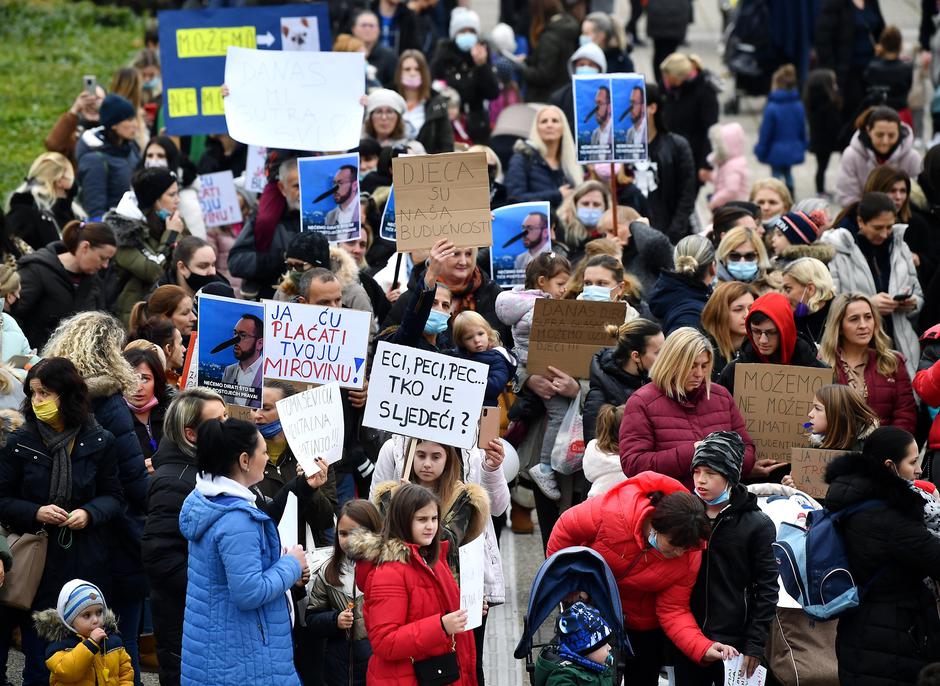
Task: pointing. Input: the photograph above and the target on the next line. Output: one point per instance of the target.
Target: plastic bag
(568, 453)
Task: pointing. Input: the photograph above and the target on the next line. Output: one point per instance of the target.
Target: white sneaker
(545, 482)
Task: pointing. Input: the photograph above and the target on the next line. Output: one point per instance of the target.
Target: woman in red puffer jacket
(665, 419)
(651, 532)
(412, 603)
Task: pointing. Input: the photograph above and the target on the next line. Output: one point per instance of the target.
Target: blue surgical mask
(152, 84)
(163, 214)
(723, 498)
(270, 430)
(589, 216)
(437, 322)
(466, 41)
(743, 271)
(595, 293)
(652, 539)
(583, 40)
(586, 69)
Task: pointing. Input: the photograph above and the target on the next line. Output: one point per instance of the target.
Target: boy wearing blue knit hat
(583, 648)
(83, 645)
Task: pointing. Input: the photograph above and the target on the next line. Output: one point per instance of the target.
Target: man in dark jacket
(260, 259)
(365, 27)
(646, 251)
(771, 338)
(463, 62)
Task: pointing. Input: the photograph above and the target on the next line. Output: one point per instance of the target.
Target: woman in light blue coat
(237, 625)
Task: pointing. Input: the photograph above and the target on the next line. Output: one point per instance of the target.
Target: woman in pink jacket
(731, 176)
(665, 420)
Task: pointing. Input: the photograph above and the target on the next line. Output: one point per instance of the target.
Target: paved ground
(523, 554)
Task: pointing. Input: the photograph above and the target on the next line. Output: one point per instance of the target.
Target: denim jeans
(785, 175)
(555, 409)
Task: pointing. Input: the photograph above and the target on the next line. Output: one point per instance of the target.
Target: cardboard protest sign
(471, 557)
(442, 196)
(567, 333)
(218, 199)
(193, 45)
(255, 177)
(296, 100)
(809, 469)
(774, 400)
(631, 140)
(239, 412)
(593, 123)
(520, 233)
(312, 421)
(231, 349)
(387, 227)
(329, 196)
(313, 344)
(425, 395)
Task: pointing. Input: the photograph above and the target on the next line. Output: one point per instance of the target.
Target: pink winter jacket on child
(515, 308)
(730, 176)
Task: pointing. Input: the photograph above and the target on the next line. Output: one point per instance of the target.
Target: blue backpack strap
(856, 508)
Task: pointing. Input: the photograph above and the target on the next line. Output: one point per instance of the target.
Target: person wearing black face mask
(192, 266)
(617, 372)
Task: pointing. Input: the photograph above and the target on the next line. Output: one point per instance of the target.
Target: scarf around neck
(58, 443)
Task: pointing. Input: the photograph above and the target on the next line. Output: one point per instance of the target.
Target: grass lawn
(46, 46)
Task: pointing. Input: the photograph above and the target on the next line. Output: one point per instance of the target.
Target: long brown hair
(450, 477)
(424, 93)
(832, 335)
(408, 499)
(541, 12)
(848, 416)
(161, 303)
(717, 311)
(882, 179)
(363, 513)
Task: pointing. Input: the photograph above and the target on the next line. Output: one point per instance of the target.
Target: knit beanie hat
(311, 247)
(798, 228)
(462, 18)
(74, 597)
(383, 97)
(722, 452)
(582, 630)
(150, 183)
(115, 109)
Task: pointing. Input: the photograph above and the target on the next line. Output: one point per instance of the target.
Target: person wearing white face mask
(463, 62)
(162, 152)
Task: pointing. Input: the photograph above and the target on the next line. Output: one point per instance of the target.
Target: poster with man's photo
(521, 233)
(629, 112)
(593, 125)
(329, 196)
(231, 349)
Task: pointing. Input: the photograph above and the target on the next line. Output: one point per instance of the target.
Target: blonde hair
(491, 158)
(575, 231)
(93, 341)
(736, 237)
(679, 65)
(346, 42)
(675, 361)
(469, 319)
(775, 185)
(809, 270)
(9, 280)
(45, 171)
(185, 412)
(693, 255)
(567, 155)
(607, 429)
(143, 344)
(717, 311)
(831, 341)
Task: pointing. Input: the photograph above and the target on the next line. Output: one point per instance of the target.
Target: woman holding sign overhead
(666, 419)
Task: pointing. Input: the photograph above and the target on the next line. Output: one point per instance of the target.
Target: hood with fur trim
(343, 266)
(363, 544)
(468, 502)
(821, 251)
(51, 628)
(853, 478)
(103, 386)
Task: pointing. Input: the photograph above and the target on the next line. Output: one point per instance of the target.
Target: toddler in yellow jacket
(84, 647)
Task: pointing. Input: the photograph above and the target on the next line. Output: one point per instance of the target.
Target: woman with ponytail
(679, 296)
(62, 279)
(167, 302)
(237, 576)
(617, 372)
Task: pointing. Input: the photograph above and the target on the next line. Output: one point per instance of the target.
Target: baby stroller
(572, 570)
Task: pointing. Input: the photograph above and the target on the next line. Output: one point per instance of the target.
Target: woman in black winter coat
(469, 72)
(77, 510)
(845, 47)
(553, 37)
(895, 631)
(617, 372)
(691, 106)
(425, 116)
(42, 206)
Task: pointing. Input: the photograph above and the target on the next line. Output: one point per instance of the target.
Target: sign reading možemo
(313, 344)
(425, 395)
(193, 44)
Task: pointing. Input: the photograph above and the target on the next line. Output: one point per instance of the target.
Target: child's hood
(51, 628)
(511, 306)
(728, 140)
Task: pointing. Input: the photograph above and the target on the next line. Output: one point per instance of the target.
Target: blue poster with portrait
(521, 233)
(193, 44)
(387, 227)
(329, 196)
(231, 349)
(629, 113)
(593, 125)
